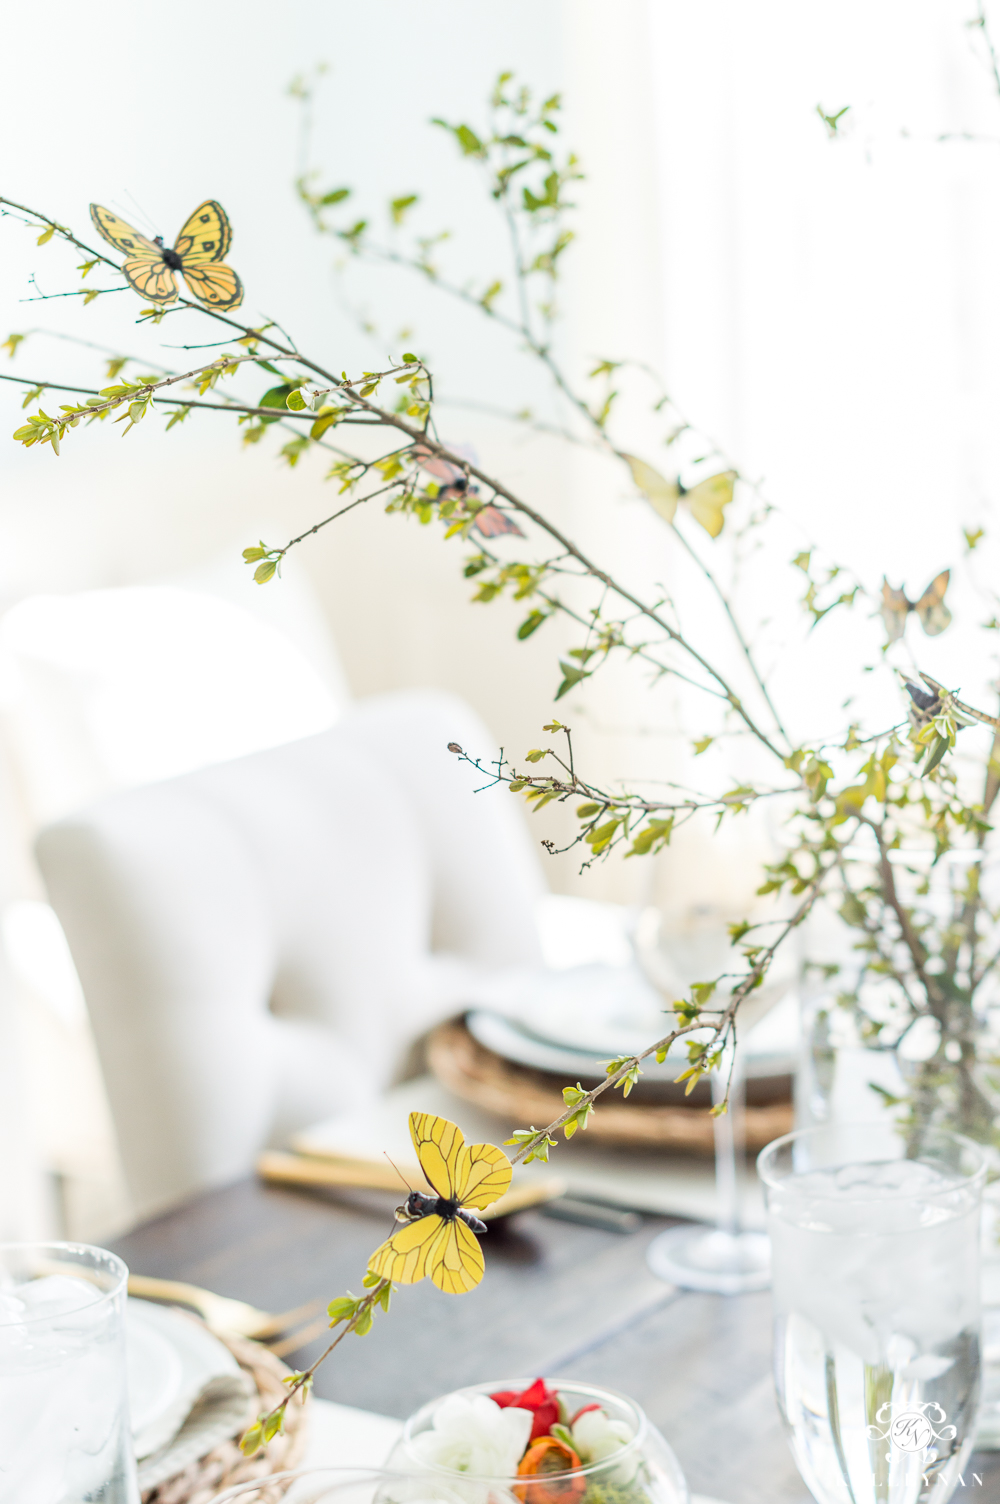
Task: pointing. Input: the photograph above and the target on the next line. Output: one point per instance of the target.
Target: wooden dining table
(558, 1299)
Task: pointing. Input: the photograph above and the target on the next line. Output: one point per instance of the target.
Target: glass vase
(643, 1470)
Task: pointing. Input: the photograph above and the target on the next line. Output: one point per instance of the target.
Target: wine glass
(727, 1259)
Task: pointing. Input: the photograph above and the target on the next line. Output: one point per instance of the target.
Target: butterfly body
(170, 256)
(706, 501)
(419, 1204)
(438, 1236)
(197, 253)
(489, 522)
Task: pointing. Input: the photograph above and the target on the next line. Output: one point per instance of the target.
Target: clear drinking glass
(875, 1279)
(64, 1423)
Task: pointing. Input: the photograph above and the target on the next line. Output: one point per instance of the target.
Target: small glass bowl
(642, 1471)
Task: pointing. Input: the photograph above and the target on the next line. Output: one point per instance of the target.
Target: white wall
(828, 309)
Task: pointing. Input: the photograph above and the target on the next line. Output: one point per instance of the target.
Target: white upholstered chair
(261, 942)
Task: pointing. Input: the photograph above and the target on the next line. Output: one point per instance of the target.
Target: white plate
(170, 1360)
(770, 1047)
(155, 1371)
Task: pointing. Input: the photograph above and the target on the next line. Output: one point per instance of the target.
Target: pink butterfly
(490, 521)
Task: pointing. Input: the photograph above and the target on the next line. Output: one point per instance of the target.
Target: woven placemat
(225, 1464)
(519, 1094)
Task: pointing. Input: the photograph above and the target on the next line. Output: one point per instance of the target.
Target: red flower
(543, 1404)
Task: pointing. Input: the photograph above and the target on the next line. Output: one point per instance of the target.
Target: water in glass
(875, 1273)
(64, 1430)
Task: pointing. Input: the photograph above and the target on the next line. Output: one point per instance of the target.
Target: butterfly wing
(205, 235)
(482, 1175)
(706, 500)
(438, 1144)
(662, 494)
(153, 279)
(931, 609)
(442, 470)
(491, 523)
(894, 608)
(455, 1259)
(404, 1258)
(123, 237)
(216, 286)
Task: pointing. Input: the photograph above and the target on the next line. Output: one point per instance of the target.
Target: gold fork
(220, 1311)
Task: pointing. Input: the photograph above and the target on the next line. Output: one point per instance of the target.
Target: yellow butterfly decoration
(439, 1237)
(197, 254)
(705, 501)
(931, 610)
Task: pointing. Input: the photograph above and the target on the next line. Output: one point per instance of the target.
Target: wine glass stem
(729, 1136)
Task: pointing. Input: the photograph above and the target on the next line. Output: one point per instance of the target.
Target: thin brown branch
(746, 986)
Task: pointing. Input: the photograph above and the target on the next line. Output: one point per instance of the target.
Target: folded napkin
(187, 1392)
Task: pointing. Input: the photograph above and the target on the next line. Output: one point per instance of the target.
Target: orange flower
(548, 1456)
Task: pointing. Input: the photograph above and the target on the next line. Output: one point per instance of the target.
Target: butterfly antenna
(399, 1172)
(142, 212)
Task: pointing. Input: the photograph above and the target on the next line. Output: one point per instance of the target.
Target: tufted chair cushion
(261, 942)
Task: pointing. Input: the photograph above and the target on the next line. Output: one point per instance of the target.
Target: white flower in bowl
(597, 1437)
(475, 1436)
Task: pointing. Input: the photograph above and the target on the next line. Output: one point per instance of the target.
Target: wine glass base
(698, 1258)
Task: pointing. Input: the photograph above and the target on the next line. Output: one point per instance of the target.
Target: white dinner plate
(170, 1360)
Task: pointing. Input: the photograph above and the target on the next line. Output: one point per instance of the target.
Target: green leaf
(702, 744)
(399, 206)
(341, 1309)
(540, 1150)
(602, 835)
(411, 360)
(275, 396)
(264, 571)
(46, 235)
(273, 1424)
(466, 138)
(572, 675)
(252, 1439)
(11, 343)
(530, 624)
(938, 750)
(295, 401)
(335, 196)
(177, 416)
(535, 755)
(653, 837)
(587, 811)
(363, 1325)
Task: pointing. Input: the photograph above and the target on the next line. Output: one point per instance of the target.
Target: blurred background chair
(262, 942)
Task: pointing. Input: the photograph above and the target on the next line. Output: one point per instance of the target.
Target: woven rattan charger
(517, 1093)
(225, 1465)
